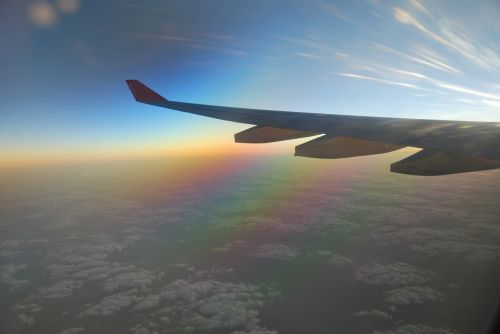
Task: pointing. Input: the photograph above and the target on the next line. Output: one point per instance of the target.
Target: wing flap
(342, 147)
(429, 163)
(267, 134)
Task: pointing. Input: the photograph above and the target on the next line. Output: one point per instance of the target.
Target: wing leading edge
(448, 146)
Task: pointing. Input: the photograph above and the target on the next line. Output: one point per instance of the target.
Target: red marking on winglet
(142, 93)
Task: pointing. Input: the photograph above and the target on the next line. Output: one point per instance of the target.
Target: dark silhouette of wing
(448, 146)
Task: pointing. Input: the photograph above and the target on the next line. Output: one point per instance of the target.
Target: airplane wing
(448, 147)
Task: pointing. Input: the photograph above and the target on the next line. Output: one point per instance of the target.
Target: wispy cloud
(307, 55)
(424, 79)
(164, 37)
(451, 35)
(218, 36)
(193, 42)
(309, 42)
(420, 7)
(406, 18)
(437, 61)
(422, 58)
(409, 73)
(464, 45)
(387, 82)
(330, 9)
(232, 52)
(465, 90)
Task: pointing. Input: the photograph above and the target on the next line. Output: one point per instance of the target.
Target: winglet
(144, 94)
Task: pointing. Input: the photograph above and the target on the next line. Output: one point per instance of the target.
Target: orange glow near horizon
(195, 148)
(209, 147)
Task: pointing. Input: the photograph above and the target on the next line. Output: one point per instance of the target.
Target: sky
(63, 96)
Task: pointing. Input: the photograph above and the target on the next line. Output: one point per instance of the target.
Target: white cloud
(211, 273)
(27, 308)
(409, 73)
(422, 56)
(412, 295)
(460, 242)
(374, 315)
(416, 329)
(324, 253)
(335, 225)
(184, 266)
(228, 246)
(465, 90)
(451, 35)
(307, 55)
(339, 260)
(100, 271)
(191, 42)
(494, 99)
(420, 7)
(139, 278)
(10, 248)
(148, 302)
(395, 274)
(328, 8)
(211, 305)
(25, 320)
(139, 329)
(256, 331)
(384, 81)
(73, 330)
(275, 251)
(8, 253)
(8, 273)
(61, 289)
(112, 304)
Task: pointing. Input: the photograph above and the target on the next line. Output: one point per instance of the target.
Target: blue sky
(65, 63)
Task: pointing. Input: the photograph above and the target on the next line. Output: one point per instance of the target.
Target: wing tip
(143, 93)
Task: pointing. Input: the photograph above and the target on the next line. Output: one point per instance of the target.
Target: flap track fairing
(342, 147)
(430, 163)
